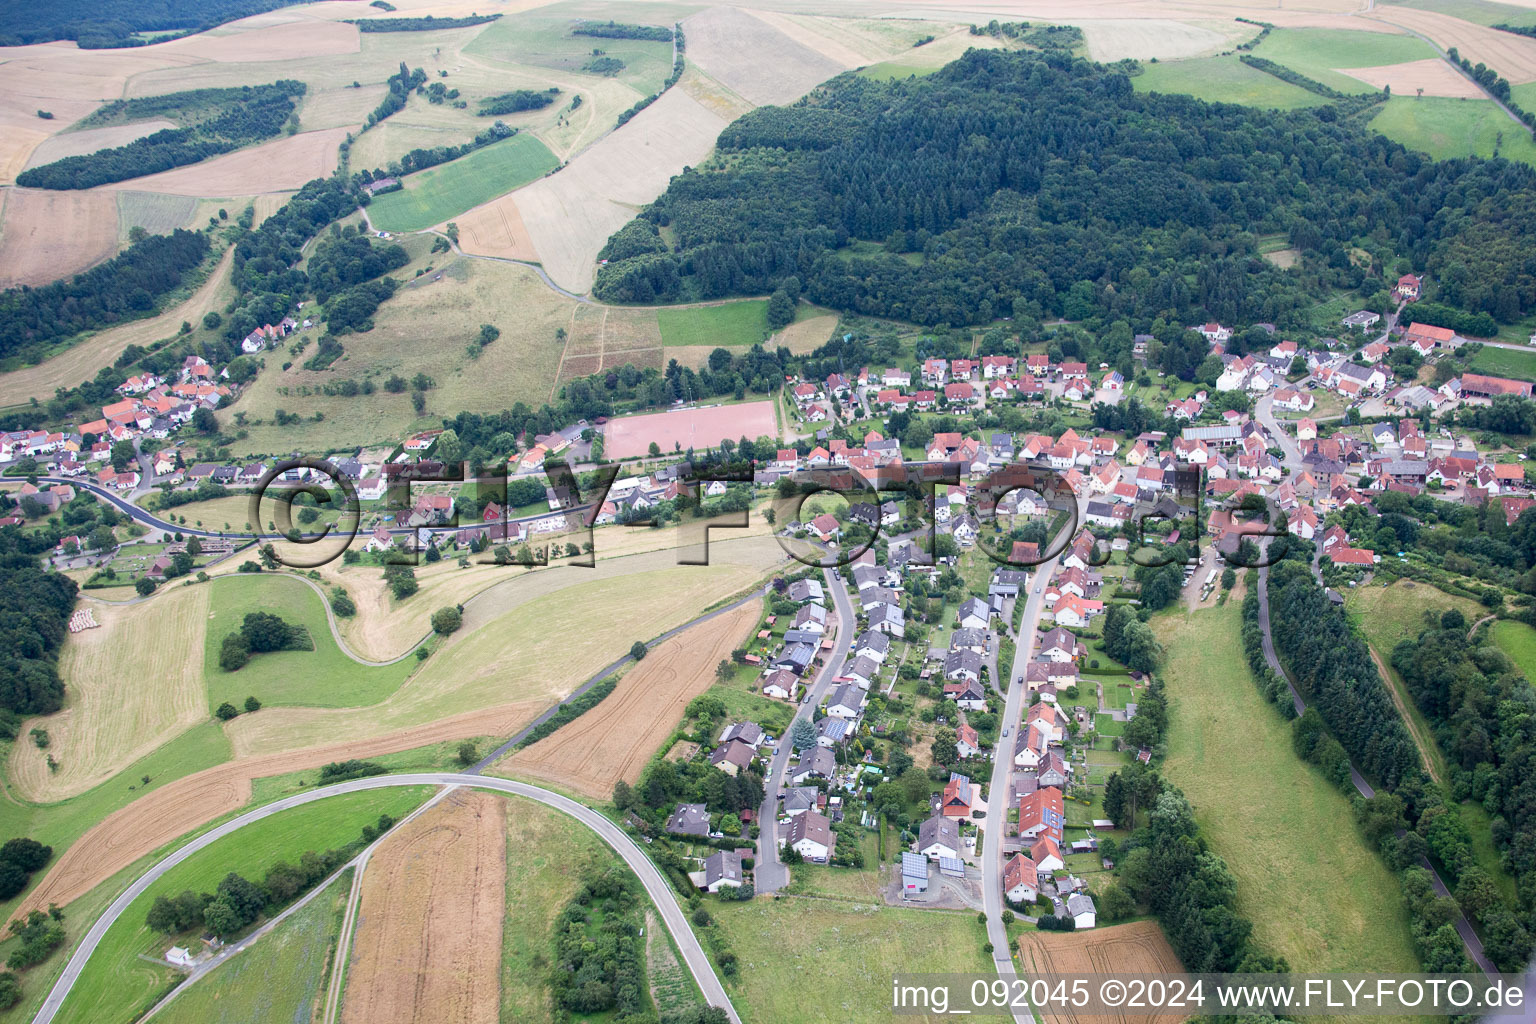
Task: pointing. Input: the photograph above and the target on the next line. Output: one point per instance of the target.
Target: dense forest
(252, 114)
(1479, 705)
(1038, 186)
(99, 24)
(1333, 669)
(34, 609)
(126, 287)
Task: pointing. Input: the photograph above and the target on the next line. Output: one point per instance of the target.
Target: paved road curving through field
(656, 886)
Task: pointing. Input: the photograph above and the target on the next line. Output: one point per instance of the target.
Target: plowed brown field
(1137, 948)
(614, 740)
(428, 943)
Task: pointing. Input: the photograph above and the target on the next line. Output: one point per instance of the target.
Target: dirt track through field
(428, 942)
(614, 740)
(179, 807)
(1137, 948)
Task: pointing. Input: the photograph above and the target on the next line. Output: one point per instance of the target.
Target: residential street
(995, 825)
(770, 874)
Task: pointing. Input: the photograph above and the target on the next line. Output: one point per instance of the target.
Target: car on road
(1005, 733)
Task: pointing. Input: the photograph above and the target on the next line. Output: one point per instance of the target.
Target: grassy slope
(323, 677)
(115, 985)
(1315, 893)
(1503, 362)
(546, 42)
(62, 823)
(1446, 128)
(1389, 615)
(851, 950)
(1315, 52)
(1479, 12)
(438, 193)
(547, 853)
(726, 324)
(277, 979)
(1517, 640)
(1223, 80)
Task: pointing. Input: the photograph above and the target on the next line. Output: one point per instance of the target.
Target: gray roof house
(818, 762)
(938, 837)
(800, 799)
(808, 589)
(721, 869)
(689, 820)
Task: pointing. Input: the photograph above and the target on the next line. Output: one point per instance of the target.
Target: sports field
(443, 192)
(1265, 811)
(724, 324)
(1223, 80)
(680, 429)
(116, 985)
(1446, 128)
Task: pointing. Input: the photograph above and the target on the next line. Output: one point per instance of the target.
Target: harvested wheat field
(1433, 76)
(516, 655)
(1511, 55)
(91, 139)
(249, 41)
(1136, 948)
(278, 166)
(813, 33)
(614, 740)
(1113, 39)
(570, 214)
(114, 715)
(49, 235)
(496, 229)
(756, 60)
(428, 941)
(81, 362)
(805, 336)
(170, 812)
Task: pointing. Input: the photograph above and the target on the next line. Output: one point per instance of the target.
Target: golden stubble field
(133, 684)
(429, 933)
(1136, 948)
(535, 642)
(616, 739)
(49, 235)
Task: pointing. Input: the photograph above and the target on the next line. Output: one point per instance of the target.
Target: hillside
(1041, 186)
